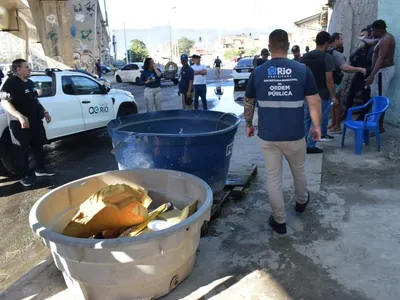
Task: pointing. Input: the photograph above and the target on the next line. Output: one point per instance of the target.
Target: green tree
(137, 51)
(231, 53)
(185, 44)
(253, 51)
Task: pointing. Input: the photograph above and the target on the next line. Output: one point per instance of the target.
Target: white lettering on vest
(280, 93)
(280, 90)
(279, 87)
(283, 71)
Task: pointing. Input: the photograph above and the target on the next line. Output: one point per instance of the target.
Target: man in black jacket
(25, 114)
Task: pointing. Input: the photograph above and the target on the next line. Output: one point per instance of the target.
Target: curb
(28, 276)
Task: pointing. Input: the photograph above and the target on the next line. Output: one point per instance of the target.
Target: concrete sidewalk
(344, 247)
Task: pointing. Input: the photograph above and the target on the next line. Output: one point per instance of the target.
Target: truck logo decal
(2, 111)
(98, 110)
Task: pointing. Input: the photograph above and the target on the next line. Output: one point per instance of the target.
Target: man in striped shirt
(279, 88)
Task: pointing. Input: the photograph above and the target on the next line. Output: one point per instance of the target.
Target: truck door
(97, 106)
(62, 105)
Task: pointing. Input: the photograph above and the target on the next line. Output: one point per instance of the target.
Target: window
(85, 86)
(67, 86)
(127, 68)
(245, 62)
(43, 85)
(135, 67)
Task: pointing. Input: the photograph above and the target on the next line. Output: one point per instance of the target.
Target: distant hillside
(155, 36)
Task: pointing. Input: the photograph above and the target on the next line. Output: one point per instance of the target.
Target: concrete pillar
(84, 19)
(388, 11)
(70, 31)
(51, 20)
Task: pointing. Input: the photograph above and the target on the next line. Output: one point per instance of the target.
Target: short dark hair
(146, 64)
(17, 64)
(295, 49)
(334, 37)
(322, 38)
(279, 40)
(265, 51)
(379, 24)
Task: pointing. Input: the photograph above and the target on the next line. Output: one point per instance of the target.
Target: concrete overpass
(54, 33)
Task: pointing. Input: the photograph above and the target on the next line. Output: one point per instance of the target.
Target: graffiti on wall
(90, 8)
(86, 33)
(53, 36)
(52, 19)
(73, 31)
(80, 17)
(82, 33)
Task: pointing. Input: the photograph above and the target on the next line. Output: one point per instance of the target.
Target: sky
(192, 14)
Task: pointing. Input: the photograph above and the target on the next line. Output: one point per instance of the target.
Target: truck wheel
(10, 165)
(118, 79)
(175, 81)
(127, 109)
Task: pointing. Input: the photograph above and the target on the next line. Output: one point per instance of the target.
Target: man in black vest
(322, 66)
(360, 58)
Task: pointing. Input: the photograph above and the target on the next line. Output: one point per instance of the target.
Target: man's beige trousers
(295, 154)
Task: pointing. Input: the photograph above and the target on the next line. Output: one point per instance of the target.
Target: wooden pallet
(237, 181)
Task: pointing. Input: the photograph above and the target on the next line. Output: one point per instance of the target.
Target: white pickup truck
(76, 102)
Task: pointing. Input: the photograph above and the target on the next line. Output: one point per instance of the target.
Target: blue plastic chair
(371, 123)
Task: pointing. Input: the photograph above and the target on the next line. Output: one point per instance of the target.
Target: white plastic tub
(144, 267)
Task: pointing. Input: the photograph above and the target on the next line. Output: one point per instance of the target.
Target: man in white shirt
(199, 82)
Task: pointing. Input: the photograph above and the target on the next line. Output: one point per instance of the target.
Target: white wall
(388, 11)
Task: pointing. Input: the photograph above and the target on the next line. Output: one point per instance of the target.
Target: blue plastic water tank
(193, 141)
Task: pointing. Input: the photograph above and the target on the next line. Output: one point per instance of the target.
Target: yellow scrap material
(115, 206)
(136, 230)
(176, 216)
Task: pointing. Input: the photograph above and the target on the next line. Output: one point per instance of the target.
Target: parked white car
(241, 72)
(130, 73)
(5, 68)
(77, 103)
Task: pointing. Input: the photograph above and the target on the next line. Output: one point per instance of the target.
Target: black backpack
(337, 74)
(360, 58)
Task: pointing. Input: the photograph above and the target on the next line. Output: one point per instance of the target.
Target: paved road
(72, 158)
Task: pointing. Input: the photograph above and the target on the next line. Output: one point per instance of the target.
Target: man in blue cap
(185, 86)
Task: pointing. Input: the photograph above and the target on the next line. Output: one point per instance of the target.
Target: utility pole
(114, 43)
(170, 39)
(126, 47)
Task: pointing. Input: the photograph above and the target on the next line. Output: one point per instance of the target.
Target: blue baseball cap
(184, 57)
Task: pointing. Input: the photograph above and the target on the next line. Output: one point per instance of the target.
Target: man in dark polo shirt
(25, 114)
(322, 66)
(186, 83)
(279, 88)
